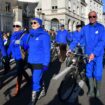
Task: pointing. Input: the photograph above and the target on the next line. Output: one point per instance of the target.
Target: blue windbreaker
(62, 36)
(14, 49)
(92, 37)
(39, 46)
(75, 35)
(2, 49)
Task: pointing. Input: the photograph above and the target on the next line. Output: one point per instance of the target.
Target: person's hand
(91, 57)
(45, 68)
(17, 42)
(68, 52)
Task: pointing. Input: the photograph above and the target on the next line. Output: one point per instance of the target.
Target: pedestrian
(6, 45)
(52, 35)
(3, 53)
(92, 37)
(38, 46)
(61, 39)
(15, 50)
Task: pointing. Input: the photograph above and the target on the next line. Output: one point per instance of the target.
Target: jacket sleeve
(3, 51)
(12, 41)
(69, 36)
(101, 42)
(46, 48)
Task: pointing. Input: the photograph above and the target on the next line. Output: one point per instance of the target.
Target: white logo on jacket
(97, 32)
(37, 38)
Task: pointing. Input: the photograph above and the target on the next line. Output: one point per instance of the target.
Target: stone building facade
(53, 12)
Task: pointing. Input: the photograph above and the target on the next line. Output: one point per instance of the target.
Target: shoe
(42, 93)
(16, 90)
(34, 98)
(98, 85)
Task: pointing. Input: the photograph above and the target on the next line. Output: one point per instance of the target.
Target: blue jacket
(39, 46)
(62, 36)
(2, 49)
(92, 37)
(75, 35)
(14, 49)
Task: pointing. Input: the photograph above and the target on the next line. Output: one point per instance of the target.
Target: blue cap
(38, 20)
(62, 25)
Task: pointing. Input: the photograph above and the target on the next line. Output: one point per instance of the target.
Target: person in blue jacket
(62, 37)
(76, 33)
(16, 52)
(2, 49)
(37, 43)
(92, 38)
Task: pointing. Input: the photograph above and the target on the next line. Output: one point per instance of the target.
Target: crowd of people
(32, 47)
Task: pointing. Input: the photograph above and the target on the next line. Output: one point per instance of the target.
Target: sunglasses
(33, 23)
(92, 17)
(17, 26)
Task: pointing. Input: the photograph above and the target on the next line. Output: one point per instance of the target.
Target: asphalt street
(7, 86)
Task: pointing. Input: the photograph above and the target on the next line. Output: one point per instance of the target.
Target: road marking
(62, 73)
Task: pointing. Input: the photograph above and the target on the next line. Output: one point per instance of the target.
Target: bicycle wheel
(54, 55)
(68, 61)
(67, 86)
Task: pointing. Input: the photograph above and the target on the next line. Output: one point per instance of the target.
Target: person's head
(92, 17)
(36, 23)
(17, 26)
(78, 27)
(62, 26)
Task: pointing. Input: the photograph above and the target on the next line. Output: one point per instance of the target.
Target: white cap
(18, 23)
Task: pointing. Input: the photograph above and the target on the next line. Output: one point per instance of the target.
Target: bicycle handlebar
(82, 55)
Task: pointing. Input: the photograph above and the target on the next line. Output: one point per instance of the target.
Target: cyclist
(92, 37)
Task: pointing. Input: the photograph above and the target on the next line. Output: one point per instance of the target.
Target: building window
(8, 6)
(54, 7)
(69, 5)
(54, 4)
(39, 9)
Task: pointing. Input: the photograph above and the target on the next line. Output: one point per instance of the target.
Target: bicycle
(72, 83)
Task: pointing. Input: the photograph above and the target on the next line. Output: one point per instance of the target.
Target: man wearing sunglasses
(92, 37)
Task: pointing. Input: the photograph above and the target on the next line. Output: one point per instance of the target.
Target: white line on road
(62, 73)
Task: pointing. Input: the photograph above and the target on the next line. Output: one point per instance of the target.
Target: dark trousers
(21, 72)
(6, 66)
(62, 51)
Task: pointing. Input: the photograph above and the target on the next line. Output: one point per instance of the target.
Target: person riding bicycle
(92, 37)
(61, 39)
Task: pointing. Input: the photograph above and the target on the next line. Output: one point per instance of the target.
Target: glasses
(92, 17)
(33, 23)
(17, 26)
